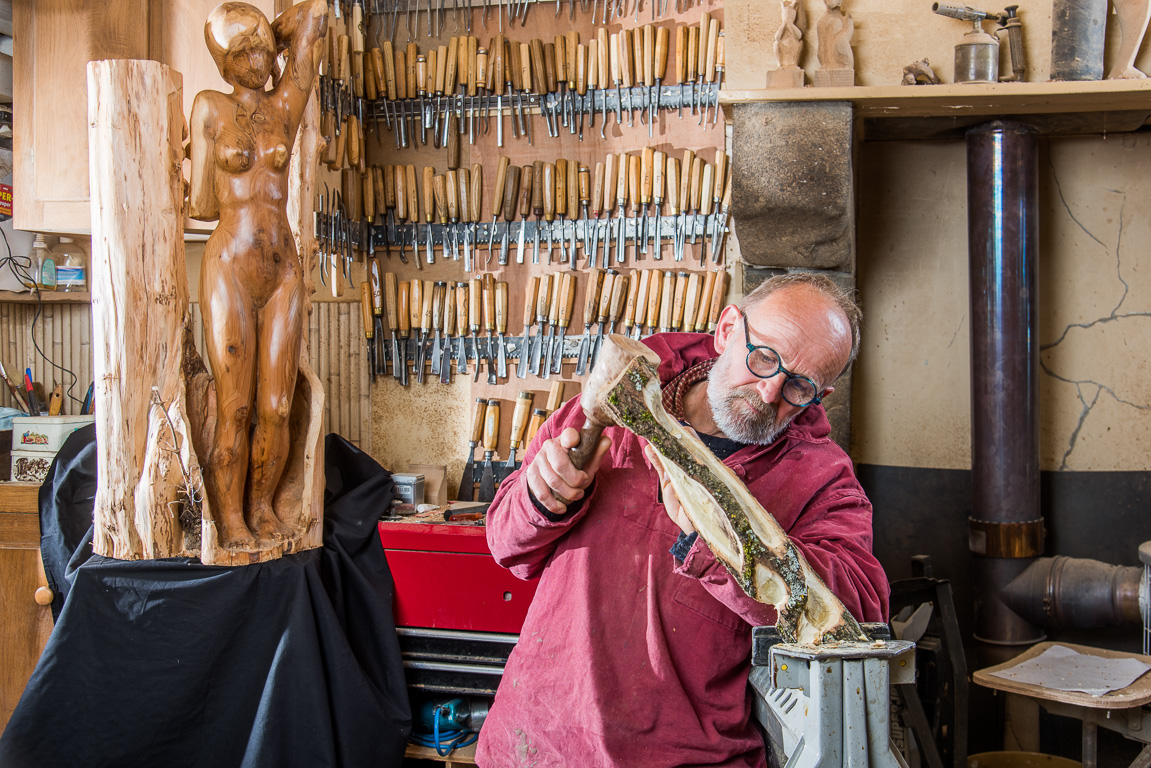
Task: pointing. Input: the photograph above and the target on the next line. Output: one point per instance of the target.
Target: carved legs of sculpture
(1133, 16)
(229, 338)
(254, 357)
(279, 358)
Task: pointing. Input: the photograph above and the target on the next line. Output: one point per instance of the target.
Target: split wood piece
(624, 389)
(149, 481)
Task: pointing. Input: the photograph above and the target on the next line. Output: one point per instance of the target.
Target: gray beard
(758, 428)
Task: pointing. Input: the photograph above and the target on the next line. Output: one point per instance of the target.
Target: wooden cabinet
(54, 41)
(24, 623)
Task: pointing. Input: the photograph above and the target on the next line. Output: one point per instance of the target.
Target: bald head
(833, 311)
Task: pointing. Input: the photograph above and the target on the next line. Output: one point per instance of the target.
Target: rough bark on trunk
(149, 474)
(740, 532)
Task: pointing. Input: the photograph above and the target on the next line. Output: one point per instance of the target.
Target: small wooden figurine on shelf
(252, 280)
(920, 73)
(789, 46)
(1133, 16)
(833, 47)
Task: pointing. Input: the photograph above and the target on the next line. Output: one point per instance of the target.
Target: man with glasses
(636, 649)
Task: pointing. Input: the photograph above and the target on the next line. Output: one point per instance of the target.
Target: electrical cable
(20, 266)
(444, 741)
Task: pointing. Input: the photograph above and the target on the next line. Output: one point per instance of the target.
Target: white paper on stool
(1064, 669)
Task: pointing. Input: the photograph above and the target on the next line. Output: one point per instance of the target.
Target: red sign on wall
(5, 202)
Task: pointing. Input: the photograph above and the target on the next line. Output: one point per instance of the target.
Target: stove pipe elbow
(1077, 593)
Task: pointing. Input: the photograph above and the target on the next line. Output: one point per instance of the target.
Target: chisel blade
(467, 480)
(584, 352)
(487, 479)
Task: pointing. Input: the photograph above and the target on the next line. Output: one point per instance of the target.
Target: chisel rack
(568, 161)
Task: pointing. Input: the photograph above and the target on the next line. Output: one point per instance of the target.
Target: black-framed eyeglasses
(763, 362)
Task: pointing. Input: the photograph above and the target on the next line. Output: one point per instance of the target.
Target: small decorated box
(30, 466)
(44, 434)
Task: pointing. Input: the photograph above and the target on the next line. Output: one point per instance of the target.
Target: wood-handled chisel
(519, 426)
(543, 303)
(463, 315)
(439, 289)
(603, 311)
(510, 193)
(381, 351)
(369, 328)
(527, 179)
(590, 307)
(475, 308)
(654, 290)
(449, 323)
(568, 288)
(501, 328)
(489, 298)
(533, 286)
(491, 436)
(404, 319)
(553, 320)
(641, 293)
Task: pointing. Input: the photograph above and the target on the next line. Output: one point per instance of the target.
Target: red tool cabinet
(446, 578)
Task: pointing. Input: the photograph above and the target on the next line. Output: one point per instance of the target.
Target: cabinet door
(54, 41)
(24, 624)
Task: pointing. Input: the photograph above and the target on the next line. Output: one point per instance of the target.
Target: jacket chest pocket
(632, 486)
(690, 594)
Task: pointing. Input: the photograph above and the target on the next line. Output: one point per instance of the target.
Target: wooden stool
(1121, 711)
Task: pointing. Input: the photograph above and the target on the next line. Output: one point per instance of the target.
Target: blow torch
(977, 54)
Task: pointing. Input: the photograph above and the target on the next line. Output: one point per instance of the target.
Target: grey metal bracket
(830, 705)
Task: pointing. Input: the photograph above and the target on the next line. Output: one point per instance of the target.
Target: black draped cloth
(174, 663)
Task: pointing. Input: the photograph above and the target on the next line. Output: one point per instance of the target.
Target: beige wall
(912, 403)
(888, 36)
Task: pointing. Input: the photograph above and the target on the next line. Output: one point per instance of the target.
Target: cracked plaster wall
(912, 400)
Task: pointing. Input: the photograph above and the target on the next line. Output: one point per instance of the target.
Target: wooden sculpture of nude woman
(251, 279)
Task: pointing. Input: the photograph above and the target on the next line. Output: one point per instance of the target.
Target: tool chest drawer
(446, 578)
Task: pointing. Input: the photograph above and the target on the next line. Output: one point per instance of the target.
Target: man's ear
(728, 325)
(826, 391)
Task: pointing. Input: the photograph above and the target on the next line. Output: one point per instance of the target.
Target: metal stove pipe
(1073, 592)
(1006, 528)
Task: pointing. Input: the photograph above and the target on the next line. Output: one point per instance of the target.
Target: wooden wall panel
(63, 333)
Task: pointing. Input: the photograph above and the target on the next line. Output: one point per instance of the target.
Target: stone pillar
(793, 203)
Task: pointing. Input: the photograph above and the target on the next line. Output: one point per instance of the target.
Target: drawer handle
(44, 596)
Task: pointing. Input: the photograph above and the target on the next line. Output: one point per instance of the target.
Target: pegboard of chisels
(458, 328)
(511, 183)
(628, 206)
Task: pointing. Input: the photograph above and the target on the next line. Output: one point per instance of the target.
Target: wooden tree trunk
(148, 472)
(155, 401)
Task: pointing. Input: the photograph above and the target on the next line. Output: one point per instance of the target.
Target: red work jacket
(630, 658)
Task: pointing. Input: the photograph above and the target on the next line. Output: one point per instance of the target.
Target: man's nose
(771, 389)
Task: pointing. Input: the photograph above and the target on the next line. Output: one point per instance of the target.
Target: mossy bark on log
(741, 533)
